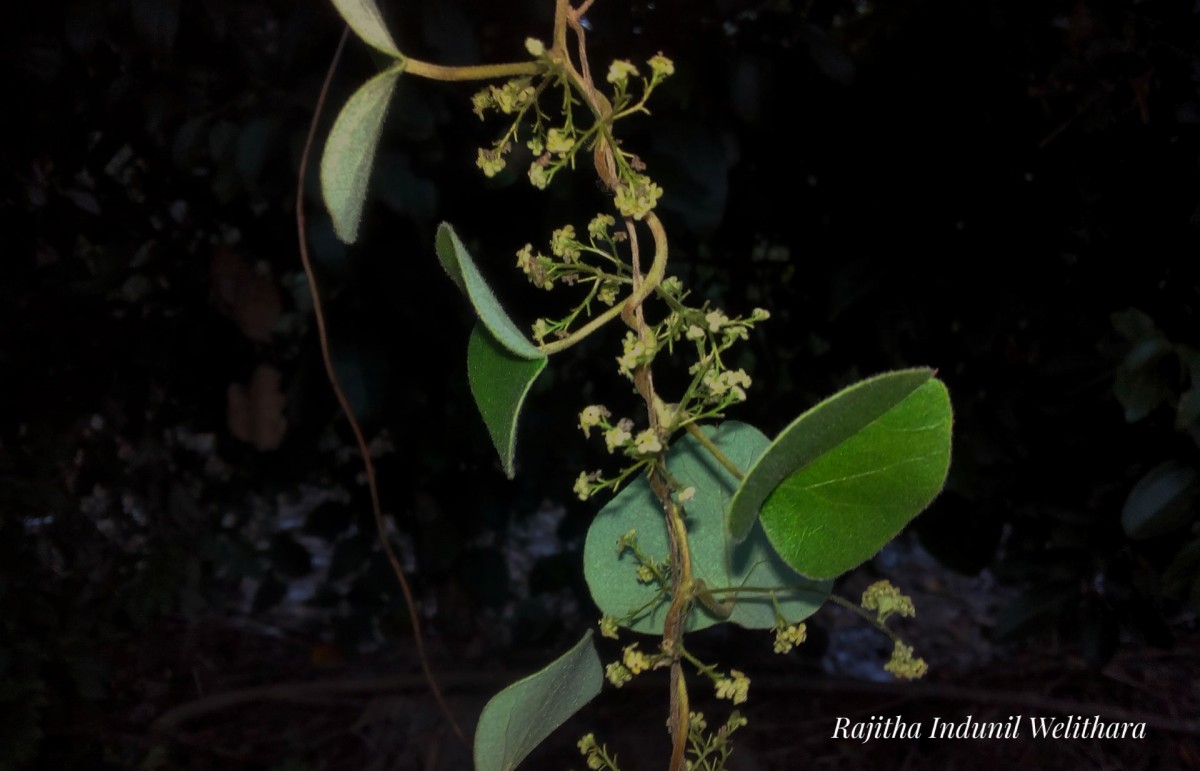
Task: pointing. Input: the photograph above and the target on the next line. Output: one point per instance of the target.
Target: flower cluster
(596, 755)
(586, 484)
(711, 750)
(491, 161)
(735, 687)
(537, 267)
(619, 435)
(649, 570)
(885, 599)
(515, 96)
(904, 665)
(728, 386)
(621, 71)
(634, 354)
(633, 662)
(617, 674)
(637, 197)
(590, 262)
(608, 626)
(788, 636)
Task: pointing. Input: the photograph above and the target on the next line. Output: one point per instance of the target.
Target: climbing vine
(706, 520)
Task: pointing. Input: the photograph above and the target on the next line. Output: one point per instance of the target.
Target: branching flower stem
(837, 599)
(721, 457)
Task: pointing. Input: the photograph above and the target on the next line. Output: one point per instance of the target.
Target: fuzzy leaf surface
(461, 268)
(364, 18)
(500, 381)
(520, 717)
(350, 152)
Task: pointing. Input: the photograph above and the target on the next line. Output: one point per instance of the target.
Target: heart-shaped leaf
(461, 268)
(521, 716)
(716, 559)
(364, 18)
(846, 476)
(350, 150)
(499, 382)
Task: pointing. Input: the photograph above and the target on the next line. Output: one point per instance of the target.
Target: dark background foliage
(990, 188)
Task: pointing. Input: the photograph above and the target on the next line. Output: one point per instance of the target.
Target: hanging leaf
(499, 382)
(1161, 501)
(521, 716)
(716, 559)
(364, 18)
(461, 268)
(350, 150)
(846, 476)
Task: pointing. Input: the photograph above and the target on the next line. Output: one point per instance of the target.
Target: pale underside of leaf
(350, 152)
(461, 268)
(520, 717)
(364, 18)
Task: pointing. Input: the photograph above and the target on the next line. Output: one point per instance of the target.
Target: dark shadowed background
(1006, 190)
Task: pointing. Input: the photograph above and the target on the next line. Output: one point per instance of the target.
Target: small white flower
(535, 47)
(716, 319)
(647, 443)
(620, 71)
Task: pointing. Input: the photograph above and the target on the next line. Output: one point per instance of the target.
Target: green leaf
(1163, 500)
(350, 149)
(364, 18)
(499, 382)
(846, 476)
(817, 432)
(521, 716)
(461, 268)
(715, 557)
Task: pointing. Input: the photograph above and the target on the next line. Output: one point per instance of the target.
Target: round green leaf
(499, 382)
(715, 557)
(1162, 500)
(521, 716)
(864, 463)
(364, 18)
(350, 149)
(461, 268)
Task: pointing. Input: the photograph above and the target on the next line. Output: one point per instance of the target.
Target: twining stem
(641, 291)
(721, 457)
(343, 402)
(606, 158)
